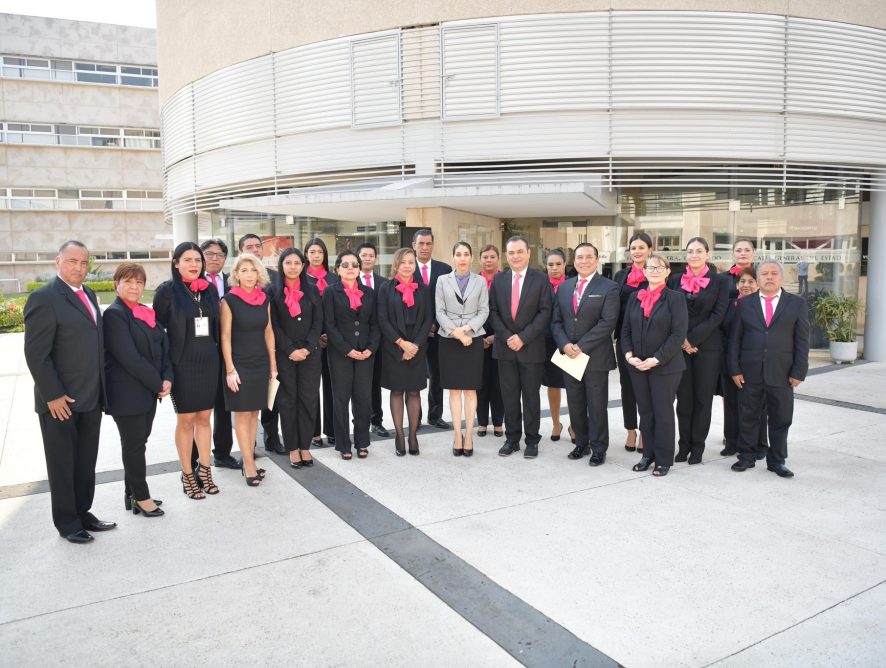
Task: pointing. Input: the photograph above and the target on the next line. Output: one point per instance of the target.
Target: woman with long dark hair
(349, 315)
(630, 279)
(404, 319)
(297, 317)
(318, 274)
(189, 312)
(489, 394)
(742, 258)
(707, 295)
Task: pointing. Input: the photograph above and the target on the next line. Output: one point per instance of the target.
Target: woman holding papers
(653, 332)
(247, 342)
(585, 312)
(462, 303)
(297, 319)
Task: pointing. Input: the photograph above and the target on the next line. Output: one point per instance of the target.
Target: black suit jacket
(346, 329)
(770, 355)
(533, 315)
(438, 269)
(136, 361)
(592, 327)
(626, 293)
(661, 335)
(177, 322)
(64, 348)
(392, 322)
(706, 310)
(302, 331)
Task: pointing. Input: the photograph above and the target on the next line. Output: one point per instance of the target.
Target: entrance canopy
(372, 202)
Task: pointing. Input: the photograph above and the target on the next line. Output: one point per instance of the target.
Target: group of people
(213, 342)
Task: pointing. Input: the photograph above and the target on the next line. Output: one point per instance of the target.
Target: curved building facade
(563, 125)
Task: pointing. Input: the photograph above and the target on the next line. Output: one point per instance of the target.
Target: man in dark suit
(768, 358)
(428, 271)
(216, 252)
(520, 311)
(585, 314)
(373, 280)
(252, 244)
(64, 349)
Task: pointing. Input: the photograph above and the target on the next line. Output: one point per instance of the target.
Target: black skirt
(196, 376)
(553, 375)
(461, 367)
(250, 355)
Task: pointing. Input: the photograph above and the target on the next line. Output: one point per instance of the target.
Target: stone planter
(844, 351)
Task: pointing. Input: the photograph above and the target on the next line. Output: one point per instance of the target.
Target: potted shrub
(838, 315)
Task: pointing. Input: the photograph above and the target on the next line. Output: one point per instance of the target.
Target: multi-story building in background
(80, 154)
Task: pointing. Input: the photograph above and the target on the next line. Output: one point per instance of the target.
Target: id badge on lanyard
(201, 326)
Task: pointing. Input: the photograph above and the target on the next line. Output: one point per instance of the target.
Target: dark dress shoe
(81, 536)
(780, 470)
(98, 525)
(226, 462)
(331, 441)
(695, 456)
(579, 451)
(531, 451)
(318, 443)
(643, 464)
(378, 430)
(597, 458)
(681, 456)
(439, 423)
(742, 465)
(728, 452)
(508, 449)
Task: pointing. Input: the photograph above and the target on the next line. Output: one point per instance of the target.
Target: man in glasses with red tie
(64, 350)
(768, 358)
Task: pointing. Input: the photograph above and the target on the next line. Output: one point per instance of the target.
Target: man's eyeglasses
(214, 255)
(655, 268)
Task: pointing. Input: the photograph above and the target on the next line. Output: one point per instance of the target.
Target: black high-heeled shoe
(138, 510)
(204, 479)
(127, 501)
(399, 445)
(306, 463)
(413, 444)
(468, 452)
(643, 464)
(498, 433)
(661, 471)
(190, 487)
(251, 481)
(458, 452)
(556, 437)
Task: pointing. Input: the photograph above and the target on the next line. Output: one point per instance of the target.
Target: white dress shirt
(368, 282)
(774, 303)
(88, 300)
(522, 275)
(219, 283)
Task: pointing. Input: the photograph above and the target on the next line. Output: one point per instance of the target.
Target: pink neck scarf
(254, 298)
(694, 282)
(636, 277)
(293, 296)
(648, 298)
(143, 313)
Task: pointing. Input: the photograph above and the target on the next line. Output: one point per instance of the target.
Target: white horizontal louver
(820, 139)
(313, 87)
(420, 67)
(698, 60)
(235, 105)
(375, 81)
(338, 150)
(558, 63)
(236, 164)
(470, 72)
(836, 69)
(180, 179)
(177, 126)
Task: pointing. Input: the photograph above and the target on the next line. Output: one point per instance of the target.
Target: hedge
(12, 314)
(97, 286)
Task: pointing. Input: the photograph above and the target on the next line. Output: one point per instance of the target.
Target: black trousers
(628, 400)
(489, 394)
(134, 433)
(756, 400)
(269, 421)
(328, 411)
(435, 388)
(298, 400)
(351, 384)
(71, 449)
(730, 417)
(655, 399)
(377, 413)
(588, 400)
(521, 380)
(695, 397)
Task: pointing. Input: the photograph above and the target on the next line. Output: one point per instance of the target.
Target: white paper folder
(575, 367)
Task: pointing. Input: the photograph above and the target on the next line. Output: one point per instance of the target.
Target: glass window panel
(113, 132)
(117, 255)
(62, 65)
(63, 76)
(66, 129)
(84, 130)
(135, 81)
(84, 67)
(32, 62)
(112, 193)
(159, 255)
(12, 72)
(22, 192)
(19, 127)
(106, 68)
(133, 133)
(14, 138)
(32, 138)
(135, 194)
(155, 194)
(9, 60)
(44, 192)
(68, 193)
(130, 70)
(90, 193)
(97, 78)
(41, 128)
(37, 73)
(139, 255)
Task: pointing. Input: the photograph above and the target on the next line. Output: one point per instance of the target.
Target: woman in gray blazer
(462, 304)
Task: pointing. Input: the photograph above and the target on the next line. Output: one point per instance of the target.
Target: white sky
(123, 12)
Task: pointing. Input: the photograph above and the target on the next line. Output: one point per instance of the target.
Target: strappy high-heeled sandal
(204, 479)
(190, 486)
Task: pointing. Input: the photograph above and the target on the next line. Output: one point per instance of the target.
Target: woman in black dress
(555, 263)
(404, 320)
(654, 328)
(349, 315)
(489, 394)
(297, 318)
(138, 372)
(247, 343)
(707, 296)
(462, 304)
(189, 313)
(319, 275)
(630, 279)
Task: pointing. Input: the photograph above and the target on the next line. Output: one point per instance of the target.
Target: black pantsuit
(520, 372)
(761, 405)
(661, 336)
(64, 350)
(628, 401)
(590, 328)
(695, 395)
(489, 395)
(298, 398)
(135, 430)
(348, 329)
(324, 422)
